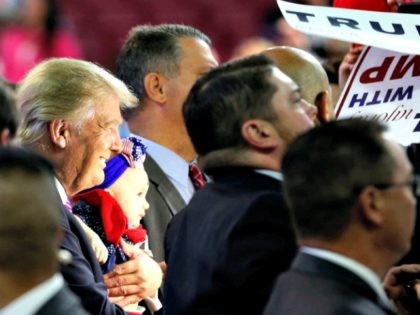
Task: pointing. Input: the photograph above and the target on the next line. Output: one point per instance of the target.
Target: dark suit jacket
(64, 302)
(83, 275)
(413, 256)
(225, 249)
(314, 286)
(165, 201)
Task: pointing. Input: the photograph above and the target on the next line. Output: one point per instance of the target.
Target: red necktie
(196, 176)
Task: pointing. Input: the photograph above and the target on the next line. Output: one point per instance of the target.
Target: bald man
(308, 74)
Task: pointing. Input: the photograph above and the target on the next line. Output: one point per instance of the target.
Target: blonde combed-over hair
(62, 88)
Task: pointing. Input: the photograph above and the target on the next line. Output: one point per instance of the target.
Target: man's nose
(116, 145)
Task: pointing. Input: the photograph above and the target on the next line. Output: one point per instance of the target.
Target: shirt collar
(271, 173)
(30, 302)
(358, 269)
(61, 191)
(173, 166)
(171, 163)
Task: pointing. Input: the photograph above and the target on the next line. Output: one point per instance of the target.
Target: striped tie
(196, 176)
(67, 205)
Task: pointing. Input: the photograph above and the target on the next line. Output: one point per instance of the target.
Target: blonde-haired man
(70, 115)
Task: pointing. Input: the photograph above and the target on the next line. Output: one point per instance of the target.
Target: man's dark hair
(224, 98)
(325, 170)
(152, 49)
(9, 118)
(30, 214)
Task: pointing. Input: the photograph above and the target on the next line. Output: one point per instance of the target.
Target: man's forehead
(278, 74)
(197, 48)
(283, 80)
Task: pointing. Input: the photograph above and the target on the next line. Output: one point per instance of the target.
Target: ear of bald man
(322, 103)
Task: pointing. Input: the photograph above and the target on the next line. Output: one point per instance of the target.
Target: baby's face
(130, 193)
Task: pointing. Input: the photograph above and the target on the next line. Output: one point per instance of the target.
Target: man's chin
(96, 181)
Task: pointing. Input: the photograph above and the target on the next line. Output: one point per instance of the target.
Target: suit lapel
(164, 186)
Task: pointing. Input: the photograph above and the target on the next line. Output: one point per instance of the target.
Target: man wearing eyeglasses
(351, 196)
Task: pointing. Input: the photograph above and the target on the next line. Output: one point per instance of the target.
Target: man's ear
(370, 202)
(59, 133)
(154, 87)
(323, 103)
(260, 133)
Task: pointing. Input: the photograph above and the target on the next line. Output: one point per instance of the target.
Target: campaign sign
(395, 31)
(385, 86)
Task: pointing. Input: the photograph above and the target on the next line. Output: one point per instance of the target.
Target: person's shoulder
(64, 302)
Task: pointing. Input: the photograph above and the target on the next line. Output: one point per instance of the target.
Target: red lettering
(402, 67)
(376, 74)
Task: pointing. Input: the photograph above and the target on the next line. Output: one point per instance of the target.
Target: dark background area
(102, 25)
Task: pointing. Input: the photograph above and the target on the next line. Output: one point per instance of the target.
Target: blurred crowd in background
(95, 30)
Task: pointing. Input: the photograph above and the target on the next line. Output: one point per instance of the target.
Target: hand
(101, 252)
(99, 248)
(135, 279)
(393, 4)
(131, 251)
(394, 285)
(164, 267)
(347, 65)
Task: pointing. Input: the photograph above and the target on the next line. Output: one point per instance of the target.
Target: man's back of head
(238, 108)
(29, 228)
(350, 189)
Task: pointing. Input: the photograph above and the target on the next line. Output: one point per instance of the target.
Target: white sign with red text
(394, 31)
(385, 85)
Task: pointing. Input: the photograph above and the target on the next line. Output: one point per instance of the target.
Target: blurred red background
(103, 25)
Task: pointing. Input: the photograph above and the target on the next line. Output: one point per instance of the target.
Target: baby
(111, 212)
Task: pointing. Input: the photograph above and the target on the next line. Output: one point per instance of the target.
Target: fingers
(412, 268)
(128, 290)
(101, 253)
(417, 288)
(164, 267)
(392, 283)
(140, 277)
(130, 250)
(121, 269)
(115, 299)
(127, 300)
(123, 280)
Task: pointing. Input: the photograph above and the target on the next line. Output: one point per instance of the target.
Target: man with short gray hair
(160, 64)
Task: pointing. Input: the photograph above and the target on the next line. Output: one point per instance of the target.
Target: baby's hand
(99, 247)
(131, 251)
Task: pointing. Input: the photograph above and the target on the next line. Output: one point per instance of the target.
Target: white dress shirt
(61, 191)
(271, 173)
(174, 167)
(30, 302)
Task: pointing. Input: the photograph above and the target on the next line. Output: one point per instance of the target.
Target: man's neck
(16, 288)
(171, 138)
(364, 253)
(240, 158)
